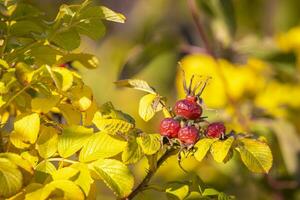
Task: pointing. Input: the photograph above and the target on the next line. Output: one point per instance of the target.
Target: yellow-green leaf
(177, 190)
(111, 126)
(220, 149)
(59, 188)
(136, 84)
(72, 140)
(133, 152)
(18, 160)
(27, 127)
(115, 174)
(203, 147)
(44, 104)
(43, 170)
(47, 142)
(256, 155)
(10, 178)
(150, 143)
(72, 115)
(111, 15)
(101, 145)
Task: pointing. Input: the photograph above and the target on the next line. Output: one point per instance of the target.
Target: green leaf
(115, 174)
(136, 84)
(150, 143)
(17, 160)
(111, 126)
(80, 60)
(24, 11)
(133, 152)
(10, 178)
(177, 190)
(256, 155)
(43, 170)
(44, 54)
(44, 104)
(149, 105)
(220, 149)
(72, 140)
(110, 15)
(64, 76)
(101, 145)
(93, 28)
(203, 147)
(47, 142)
(27, 127)
(25, 27)
(68, 39)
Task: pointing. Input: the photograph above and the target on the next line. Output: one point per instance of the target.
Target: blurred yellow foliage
(289, 41)
(252, 80)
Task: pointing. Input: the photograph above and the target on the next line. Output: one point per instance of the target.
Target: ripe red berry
(169, 127)
(215, 130)
(188, 108)
(188, 135)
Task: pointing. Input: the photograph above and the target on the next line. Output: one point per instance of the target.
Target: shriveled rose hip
(215, 130)
(169, 127)
(188, 135)
(188, 108)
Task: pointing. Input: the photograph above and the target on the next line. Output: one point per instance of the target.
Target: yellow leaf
(203, 147)
(220, 149)
(147, 106)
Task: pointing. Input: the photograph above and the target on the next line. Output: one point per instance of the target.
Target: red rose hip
(169, 127)
(188, 108)
(188, 135)
(215, 130)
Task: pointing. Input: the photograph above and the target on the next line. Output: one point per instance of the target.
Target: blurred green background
(259, 42)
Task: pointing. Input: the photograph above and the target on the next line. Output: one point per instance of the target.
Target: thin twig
(149, 175)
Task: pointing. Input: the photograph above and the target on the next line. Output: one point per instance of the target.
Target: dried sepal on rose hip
(188, 135)
(189, 107)
(216, 130)
(169, 127)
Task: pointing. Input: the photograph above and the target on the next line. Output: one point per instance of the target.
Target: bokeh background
(255, 87)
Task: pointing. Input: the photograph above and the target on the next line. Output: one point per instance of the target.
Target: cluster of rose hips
(185, 125)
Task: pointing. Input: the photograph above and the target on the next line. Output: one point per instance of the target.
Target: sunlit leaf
(136, 84)
(256, 155)
(44, 104)
(148, 106)
(43, 170)
(72, 140)
(177, 190)
(150, 143)
(80, 60)
(47, 142)
(101, 145)
(10, 178)
(27, 127)
(112, 15)
(115, 174)
(133, 152)
(17, 160)
(65, 77)
(203, 147)
(220, 149)
(111, 126)
(72, 115)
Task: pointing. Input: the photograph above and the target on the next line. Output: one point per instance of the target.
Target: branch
(149, 175)
(196, 17)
